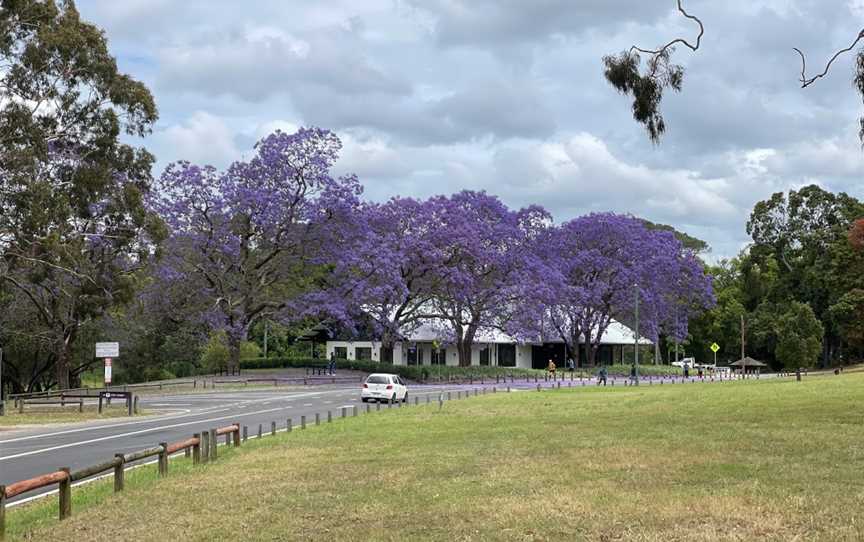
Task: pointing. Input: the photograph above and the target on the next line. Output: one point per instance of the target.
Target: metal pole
(636, 346)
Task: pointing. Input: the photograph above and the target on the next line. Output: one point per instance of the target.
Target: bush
(216, 353)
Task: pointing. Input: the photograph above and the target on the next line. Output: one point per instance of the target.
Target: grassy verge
(767, 460)
(68, 414)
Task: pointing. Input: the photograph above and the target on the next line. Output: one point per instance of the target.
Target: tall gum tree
(73, 227)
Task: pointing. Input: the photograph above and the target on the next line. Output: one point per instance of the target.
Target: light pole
(636, 343)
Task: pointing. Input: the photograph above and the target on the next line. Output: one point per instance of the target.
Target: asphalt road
(30, 452)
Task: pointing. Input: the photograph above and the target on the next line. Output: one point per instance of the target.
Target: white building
(425, 346)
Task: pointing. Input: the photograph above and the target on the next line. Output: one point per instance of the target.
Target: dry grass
(770, 460)
(50, 415)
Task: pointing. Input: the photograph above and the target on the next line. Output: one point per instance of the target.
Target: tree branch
(807, 81)
(677, 40)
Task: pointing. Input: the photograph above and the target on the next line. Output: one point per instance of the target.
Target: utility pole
(636, 344)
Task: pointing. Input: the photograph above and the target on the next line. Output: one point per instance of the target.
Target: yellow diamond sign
(715, 347)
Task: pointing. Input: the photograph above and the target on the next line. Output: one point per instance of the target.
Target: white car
(384, 387)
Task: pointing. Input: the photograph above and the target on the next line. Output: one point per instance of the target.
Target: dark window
(415, 356)
(484, 355)
(378, 379)
(341, 352)
(507, 355)
(386, 355)
(438, 356)
(363, 353)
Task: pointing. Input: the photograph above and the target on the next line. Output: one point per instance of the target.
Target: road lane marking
(129, 434)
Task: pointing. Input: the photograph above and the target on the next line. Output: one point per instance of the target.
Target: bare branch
(682, 41)
(807, 81)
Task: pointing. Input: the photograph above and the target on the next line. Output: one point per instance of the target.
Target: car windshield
(378, 379)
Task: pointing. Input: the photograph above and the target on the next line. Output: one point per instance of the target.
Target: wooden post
(317, 418)
(272, 429)
(205, 447)
(236, 434)
(288, 425)
(377, 406)
(428, 399)
(196, 450)
(416, 400)
(2, 511)
(119, 471)
(448, 395)
(329, 416)
(344, 412)
(65, 495)
(163, 459)
(135, 405)
(213, 445)
(354, 411)
(245, 433)
(260, 427)
(302, 422)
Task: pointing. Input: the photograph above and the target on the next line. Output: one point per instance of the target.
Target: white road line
(120, 435)
(170, 404)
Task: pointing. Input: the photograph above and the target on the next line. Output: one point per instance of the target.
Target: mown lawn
(766, 460)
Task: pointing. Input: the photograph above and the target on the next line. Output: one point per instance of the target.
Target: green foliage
(216, 354)
(249, 349)
(799, 336)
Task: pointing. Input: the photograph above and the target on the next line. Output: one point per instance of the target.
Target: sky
(508, 96)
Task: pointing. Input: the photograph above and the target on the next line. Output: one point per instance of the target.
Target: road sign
(107, 350)
(107, 370)
(715, 347)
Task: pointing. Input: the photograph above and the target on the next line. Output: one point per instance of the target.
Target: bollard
(272, 429)
(428, 399)
(196, 451)
(416, 400)
(118, 473)
(368, 408)
(205, 447)
(329, 416)
(317, 418)
(354, 411)
(163, 459)
(538, 387)
(65, 494)
(399, 404)
(559, 385)
(448, 395)
(288, 425)
(378, 406)
(245, 433)
(236, 434)
(508, 389)
(344, 412)
(213, 445)
(259, 430)
(302, 422)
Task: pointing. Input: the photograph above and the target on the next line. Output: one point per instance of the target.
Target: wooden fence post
(377, 406)
(236, 434)
(119, 473)
(245, 433)
(329, 416)
(288, 425)
(2, 511)
(205, 447)
(344, 412)
(302, 422)
(259, 430)
(272, 429)
(213, 444)
(163, 459)
(317, 418)
(196, 450)
(428, 399)
(65, 495)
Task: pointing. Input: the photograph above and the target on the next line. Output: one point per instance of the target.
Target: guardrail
(201, 447)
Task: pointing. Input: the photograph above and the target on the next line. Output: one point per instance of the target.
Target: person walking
(601, 375)
(331, 367)
(551, 368)
(571, 365)
(633, 379)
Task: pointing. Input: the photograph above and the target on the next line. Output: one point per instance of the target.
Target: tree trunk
(61, 367)
(235, 340)
(463, 345)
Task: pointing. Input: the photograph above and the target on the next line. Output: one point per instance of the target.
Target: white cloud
(202, 138)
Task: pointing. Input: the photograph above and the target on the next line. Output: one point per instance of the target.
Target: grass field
(68, 414)
(758, 460)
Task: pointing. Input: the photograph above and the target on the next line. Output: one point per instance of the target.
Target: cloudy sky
(434, 96)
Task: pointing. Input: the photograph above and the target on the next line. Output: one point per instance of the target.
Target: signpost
(714, 348)
(107, 351)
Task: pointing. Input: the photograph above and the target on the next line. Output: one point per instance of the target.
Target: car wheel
(405, 398)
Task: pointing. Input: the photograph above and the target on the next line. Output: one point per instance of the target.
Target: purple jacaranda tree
(597, 265)
(249, 239)
(381, 269)
(484, 266)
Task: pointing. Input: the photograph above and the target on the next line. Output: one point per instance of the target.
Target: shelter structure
(746, 362)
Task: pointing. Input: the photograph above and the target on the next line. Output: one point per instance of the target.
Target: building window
(485, 355)
(341, 352)
(363, 353)
(438, 356)
(415, 355)
(507, 355)
(386, 355)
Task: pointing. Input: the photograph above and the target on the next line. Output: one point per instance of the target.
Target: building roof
(748, 362)
(616, 333)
